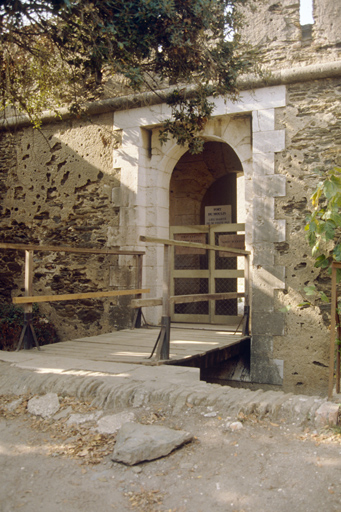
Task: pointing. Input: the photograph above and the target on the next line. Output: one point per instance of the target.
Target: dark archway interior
(207, 179)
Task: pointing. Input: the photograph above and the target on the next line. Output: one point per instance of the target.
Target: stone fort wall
(56, 188)
(274, 28)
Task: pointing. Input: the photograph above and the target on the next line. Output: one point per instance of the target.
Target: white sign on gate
(218, 214)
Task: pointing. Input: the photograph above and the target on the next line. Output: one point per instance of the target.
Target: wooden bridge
(220, 354)
(213, 349)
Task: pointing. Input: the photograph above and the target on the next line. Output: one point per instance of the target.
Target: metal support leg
(137, 319)
(163, 345)
(28, 333)
(163, 340)
(246, 327)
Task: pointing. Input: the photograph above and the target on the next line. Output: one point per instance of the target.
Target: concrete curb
(118, 385)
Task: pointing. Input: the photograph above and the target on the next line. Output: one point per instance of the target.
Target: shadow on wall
(60, 188)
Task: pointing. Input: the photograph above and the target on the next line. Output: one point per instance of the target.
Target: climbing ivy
(323, 232)
(324, 224)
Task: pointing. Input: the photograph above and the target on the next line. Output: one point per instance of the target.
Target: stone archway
(200, 185)
(249, 127)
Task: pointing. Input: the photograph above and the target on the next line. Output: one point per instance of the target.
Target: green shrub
(12, 322)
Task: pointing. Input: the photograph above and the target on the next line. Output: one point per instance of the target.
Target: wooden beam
(178, 243)
(76, 296)
(188, 299)
(204, 273)
(145, 303)
(185, 299)
(76, 250)
(206, 228)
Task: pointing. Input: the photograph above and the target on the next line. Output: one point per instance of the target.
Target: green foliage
(312, 293)
(11, 324)
(55, 52)
(309, 294)
(324, 224)
(189, 118)
(323, 230)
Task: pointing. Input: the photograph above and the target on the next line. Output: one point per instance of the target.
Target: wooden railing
(163, 340)
(29, 298)
(335, 328)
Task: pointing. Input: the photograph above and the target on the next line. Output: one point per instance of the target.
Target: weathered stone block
(269, 278)
(140, 116)
(268, 323)
(269, 186)
(262, 299)
(266, 371)
(262, 346)
(269, 231)
(263, 120)
(269, 142)
(327, 415)
(263, 164)
(264, 254)
(258, 99)
(263, 209)
(80, 419)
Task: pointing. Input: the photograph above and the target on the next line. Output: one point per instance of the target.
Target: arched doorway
(206, 203)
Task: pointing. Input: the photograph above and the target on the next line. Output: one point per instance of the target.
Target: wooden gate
(203, 271)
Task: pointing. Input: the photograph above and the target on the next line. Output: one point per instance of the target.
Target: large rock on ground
(45, 406)
(137, 443)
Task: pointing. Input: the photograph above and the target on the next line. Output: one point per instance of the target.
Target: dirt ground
(265, 466)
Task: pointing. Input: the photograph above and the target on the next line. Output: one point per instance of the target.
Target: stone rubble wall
(273, 28)
(312, 121)
(57, 188)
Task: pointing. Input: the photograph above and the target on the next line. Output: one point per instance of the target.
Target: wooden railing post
(137, 314)
(246, 320)
(28, 277)
(28, 332)
(335, 327)
(164, 339)
(332, 335)
(338, 355)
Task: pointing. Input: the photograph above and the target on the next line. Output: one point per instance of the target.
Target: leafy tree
(57, 52)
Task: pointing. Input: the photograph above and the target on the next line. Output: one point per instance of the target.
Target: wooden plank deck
(135, 346)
